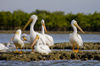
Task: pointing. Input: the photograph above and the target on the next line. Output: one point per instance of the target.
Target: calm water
(58, 38)
(51, 63)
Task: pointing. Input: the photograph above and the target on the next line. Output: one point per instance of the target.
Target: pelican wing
(80, 40)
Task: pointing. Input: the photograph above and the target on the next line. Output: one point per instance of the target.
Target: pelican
(40, 47)
(74, 38)
(18, 42)
(3, 47)
(49, 39)
(33, 34)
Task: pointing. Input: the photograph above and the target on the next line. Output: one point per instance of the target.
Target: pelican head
(18, 31)
(33, 17)
(74, 23)
(43, 24)
(42, 21)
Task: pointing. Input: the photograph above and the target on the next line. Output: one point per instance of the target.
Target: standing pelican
(33, 34)
(17, 40)
(49, 39)
(74, 38)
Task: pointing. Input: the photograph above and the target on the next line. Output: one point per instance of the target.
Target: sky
(74, 6)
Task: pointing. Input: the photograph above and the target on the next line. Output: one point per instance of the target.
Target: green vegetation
(54, 20)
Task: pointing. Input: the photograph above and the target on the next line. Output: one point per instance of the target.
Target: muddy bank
(87, 46)
(55, 55)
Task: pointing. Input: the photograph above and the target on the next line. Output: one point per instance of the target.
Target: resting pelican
(19, 43)
(3, 47)
(33, 34)
(74, 38)
(49, 39)
(40, 47)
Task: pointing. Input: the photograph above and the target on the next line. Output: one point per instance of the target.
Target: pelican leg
(77, 48)
(32, 49)
(21, 50)
(16, 50)
(73, 48)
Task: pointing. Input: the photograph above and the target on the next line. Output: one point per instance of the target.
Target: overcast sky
(74, 6)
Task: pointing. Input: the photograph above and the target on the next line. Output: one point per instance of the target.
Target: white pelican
(40, 47)
(49, 39)
(18, 42)
(33, 34)
(3, 47)
(74, 38)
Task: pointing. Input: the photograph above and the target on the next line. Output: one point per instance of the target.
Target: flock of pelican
(41, 42)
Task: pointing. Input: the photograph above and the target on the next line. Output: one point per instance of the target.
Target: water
(58, 38)
(51, 63)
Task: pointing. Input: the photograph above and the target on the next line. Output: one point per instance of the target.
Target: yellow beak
(79, 27)
(44, 27)
(24, 38)
(30, 20)
(36, 38)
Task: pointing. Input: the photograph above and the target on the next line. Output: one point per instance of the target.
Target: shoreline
(49, 32)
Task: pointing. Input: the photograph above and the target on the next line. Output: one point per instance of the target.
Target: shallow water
(58, 38)
(29, 50)
(51, 63)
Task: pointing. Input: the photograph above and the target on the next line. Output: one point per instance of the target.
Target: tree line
(55, 21)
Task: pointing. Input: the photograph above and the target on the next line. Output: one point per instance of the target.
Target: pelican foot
(16, 51)
(20, 52)
(76, 51)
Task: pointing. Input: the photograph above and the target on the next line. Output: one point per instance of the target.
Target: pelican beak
(36, 38)
(44, 27)
(24, 38)
(30, 20)
(79, 27)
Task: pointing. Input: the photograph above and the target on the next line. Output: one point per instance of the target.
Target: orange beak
(44, 27)
(79, 27)
(30, 20)
(37, 37)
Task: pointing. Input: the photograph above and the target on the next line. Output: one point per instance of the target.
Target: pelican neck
(74, 28)
(42, 29)
(32, 25)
